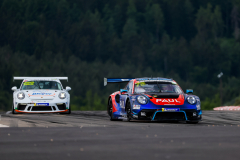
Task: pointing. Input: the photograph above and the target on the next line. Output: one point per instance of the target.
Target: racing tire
(13, 110)
(128, 109)
(189, 122)
(69, 110)
(109, 110)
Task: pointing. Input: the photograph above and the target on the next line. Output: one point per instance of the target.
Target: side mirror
(123, 91)
(68, 88)
(14, 88)
(189, 91)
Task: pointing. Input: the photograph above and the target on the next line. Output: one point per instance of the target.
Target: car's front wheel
(13, 110)
(69, 110)
(128, 109)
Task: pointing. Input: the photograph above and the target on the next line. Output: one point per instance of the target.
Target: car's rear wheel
(110, 110)
(128, 109)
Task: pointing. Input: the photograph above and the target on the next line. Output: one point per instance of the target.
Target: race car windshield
(36, 85)
(156, 87)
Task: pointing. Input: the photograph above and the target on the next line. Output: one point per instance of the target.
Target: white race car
(41, 95)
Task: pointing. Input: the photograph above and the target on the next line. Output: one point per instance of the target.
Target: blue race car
(155, 99)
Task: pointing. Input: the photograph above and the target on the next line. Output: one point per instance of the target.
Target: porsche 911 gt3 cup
(155, 99)
(41, 95)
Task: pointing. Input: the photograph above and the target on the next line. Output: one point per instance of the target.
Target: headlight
(191, 100)
(142, 99)
(62, 95)
(20, 95)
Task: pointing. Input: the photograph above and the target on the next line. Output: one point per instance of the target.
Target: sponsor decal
(155, 96)
(170, 109)
(122, 104)
(140, 84)
(42, 94)
(167, 100)
(41, 104)
(28, 83)
(142, 80)
(135, 106)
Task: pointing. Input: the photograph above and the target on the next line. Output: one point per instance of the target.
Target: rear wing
(116, 80)
(53, 78)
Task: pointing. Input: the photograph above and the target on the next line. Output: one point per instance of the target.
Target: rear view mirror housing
(14, 88)
(68, 88)
(189, 91)
(123, 91)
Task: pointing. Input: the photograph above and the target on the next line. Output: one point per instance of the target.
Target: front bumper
(153, 112)
(41, 107)
(158, 115)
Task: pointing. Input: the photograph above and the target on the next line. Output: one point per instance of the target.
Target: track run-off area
(91, 135)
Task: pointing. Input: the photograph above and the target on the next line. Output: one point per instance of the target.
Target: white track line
(1, 125)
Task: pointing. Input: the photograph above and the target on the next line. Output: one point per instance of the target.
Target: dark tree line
(189, 40)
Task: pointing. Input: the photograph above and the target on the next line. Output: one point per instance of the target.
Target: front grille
(149, 113)
(62, 106)
(43, 108)
(169, 116)
(21, 107)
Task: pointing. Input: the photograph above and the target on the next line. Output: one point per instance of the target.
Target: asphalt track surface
(90, 135)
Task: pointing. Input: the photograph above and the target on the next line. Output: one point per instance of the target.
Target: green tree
(155, 19)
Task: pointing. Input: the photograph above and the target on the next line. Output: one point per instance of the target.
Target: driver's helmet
(155, 88)
(41, 85)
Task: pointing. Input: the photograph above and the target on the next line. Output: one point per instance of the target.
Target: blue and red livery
(155, 99)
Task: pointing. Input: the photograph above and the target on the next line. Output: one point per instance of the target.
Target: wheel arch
(127, 99)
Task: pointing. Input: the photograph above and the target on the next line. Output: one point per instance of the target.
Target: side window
(59, 86)
(129, 86)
